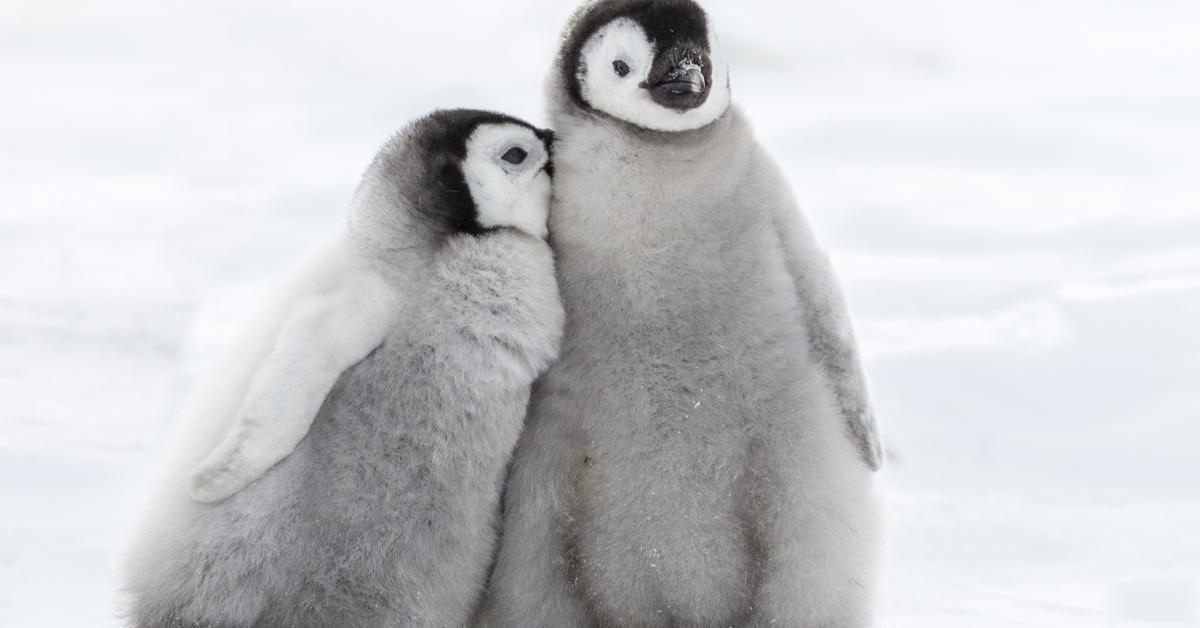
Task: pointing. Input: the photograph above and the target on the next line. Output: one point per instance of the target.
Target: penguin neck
(621, 186)
(570, 120)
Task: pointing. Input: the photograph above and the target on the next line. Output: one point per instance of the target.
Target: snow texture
(1009, 191)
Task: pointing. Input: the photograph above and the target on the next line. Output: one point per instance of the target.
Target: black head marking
(677, 28)
(441, 195)
(547, 137)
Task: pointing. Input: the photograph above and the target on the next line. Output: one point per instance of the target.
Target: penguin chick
(346, 462)
(702, 454)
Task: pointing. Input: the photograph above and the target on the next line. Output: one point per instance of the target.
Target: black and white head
(456, 172)
(652, 63)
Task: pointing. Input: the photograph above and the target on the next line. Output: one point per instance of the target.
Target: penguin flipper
(831, 337)
(323, 335)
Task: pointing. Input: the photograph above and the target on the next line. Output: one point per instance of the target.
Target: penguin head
(651, 63)
(457, 172)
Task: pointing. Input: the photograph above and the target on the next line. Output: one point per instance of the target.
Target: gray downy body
(688, 461)
(385, 515)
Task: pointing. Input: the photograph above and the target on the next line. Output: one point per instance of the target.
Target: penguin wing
(830, 335)
(324, 333)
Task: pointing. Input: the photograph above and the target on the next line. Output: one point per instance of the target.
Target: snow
(1009, 190)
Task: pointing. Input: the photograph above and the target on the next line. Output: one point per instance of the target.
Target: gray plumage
(702, 453)
(385, 514)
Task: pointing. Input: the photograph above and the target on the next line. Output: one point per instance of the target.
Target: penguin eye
(515, 155)
(621, 68)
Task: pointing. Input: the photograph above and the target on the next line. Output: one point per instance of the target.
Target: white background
(1010, 190)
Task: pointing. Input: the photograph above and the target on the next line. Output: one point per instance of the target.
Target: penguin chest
(682, 366)
(683, 343)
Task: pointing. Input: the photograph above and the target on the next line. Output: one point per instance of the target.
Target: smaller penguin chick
(340, 305)
(346, 463)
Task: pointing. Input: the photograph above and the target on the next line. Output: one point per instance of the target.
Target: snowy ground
(1010, 189)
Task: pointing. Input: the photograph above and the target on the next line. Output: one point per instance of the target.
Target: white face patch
(508, 194)
(624, 97)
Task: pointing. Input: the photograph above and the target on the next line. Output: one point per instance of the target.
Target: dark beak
(687, 79)
(677, 78)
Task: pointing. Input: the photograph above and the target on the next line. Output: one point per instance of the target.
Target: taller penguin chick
(702, 454)
(347, 462)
